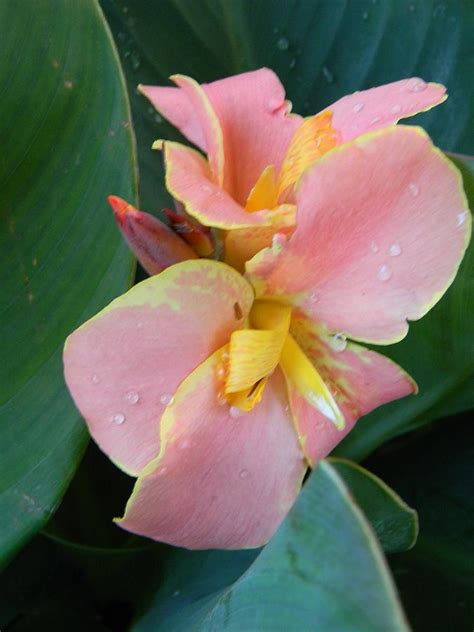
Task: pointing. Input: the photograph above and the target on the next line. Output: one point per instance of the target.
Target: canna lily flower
(218, 390)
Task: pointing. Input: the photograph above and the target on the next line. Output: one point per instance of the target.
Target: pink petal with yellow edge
(359, 380)
(380, 107)
(382, 226)
(209, 122)
(223, 479)
(256, 125)
(155, 245)
(123, 366)
(175, 105)
(189, 180)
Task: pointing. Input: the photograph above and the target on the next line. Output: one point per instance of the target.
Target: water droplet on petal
(183, 444)
(395, 250)
(375, 120)
(118, 419)
(283, 43)
(313, 297)
(384, 273)
(95, 378)
(374, 247)
(414, 189)
(338, 342)
(132, 397)
(235, 412)
(206, 188)
(161, 471)
(416, 85)
(243, 474)
(395, 109)
(221, 399)
(358, 107)
(220, 371)
(139, 324)
(462, 217)
(167, 399)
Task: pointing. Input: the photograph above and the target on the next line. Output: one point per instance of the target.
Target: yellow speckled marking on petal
(312, 139)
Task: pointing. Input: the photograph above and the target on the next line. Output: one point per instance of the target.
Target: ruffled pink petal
(256, 125)
(360, 380)
(189, 180)
(123, 366)
(223, 479)
(382, 226)
(175, 105)
(380, 107)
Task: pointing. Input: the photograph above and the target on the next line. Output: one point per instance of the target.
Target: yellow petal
(264, 193)
(312, 139)
(302, 373)
(270, 315)
(253, 354)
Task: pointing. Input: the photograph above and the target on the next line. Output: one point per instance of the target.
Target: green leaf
(66, 143)
(323, 569)
(394, 522)
(434, 473)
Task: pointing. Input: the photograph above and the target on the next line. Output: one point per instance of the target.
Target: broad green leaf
(394, 522)
(321, 51)
(322, 570)
(66, 144)
(435, 473)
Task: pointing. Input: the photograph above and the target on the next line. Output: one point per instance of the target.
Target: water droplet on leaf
(283, 43)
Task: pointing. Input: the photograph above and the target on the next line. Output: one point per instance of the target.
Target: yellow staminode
(255, 353)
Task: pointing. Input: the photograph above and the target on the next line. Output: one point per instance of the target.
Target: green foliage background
(67, 75)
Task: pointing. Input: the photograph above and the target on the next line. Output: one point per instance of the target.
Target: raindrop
(384, 273)
(365, 15)
(206, 188)
(68, 84)
(221, 399)
(292, 63)
(462, 217)
(283, 44)
(396, 109)
(132, 397)
(328, 75)
(150, 109)
(162, 470)
(243, 473)
(414, 189)
(220, 371)
(375, 120)
(95, 378)
(118, 419)
(183, 444)
(358, 107)
(416, 85)
(313, 297)
(235, 412)
(139, 324)
(338, 342)
(135, 60)
(395, 250)
(167, 399)
(374, 247)
(158, 118)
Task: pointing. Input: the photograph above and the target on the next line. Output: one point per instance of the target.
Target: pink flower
(217, 390)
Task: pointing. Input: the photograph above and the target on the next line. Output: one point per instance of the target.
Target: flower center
(254, 353)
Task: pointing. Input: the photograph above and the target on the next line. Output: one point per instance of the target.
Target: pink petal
(256, 125)
(382, 226)
(221, 481)
(360, 380)
(123, 366)
(175, 105)
(380, 107)
(152, 242)
(189, 180)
